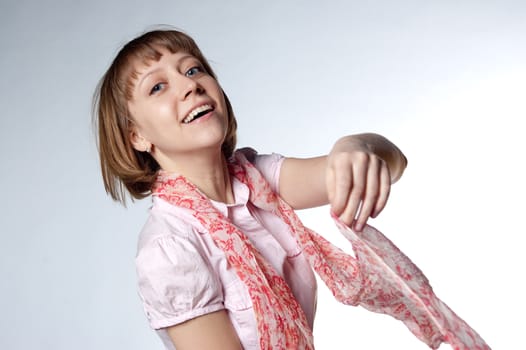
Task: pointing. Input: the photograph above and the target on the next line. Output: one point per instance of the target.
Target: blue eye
(193, 71)
(156, 88)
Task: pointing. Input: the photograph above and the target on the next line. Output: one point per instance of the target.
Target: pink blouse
(182, 274)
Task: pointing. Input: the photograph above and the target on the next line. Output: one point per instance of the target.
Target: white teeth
(195, 112)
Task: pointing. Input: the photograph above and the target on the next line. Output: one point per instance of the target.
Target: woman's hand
(358, 182)
(355, 178)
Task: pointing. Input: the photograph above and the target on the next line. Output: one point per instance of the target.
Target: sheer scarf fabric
(380, 277)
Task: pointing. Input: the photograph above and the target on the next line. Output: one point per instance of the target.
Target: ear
(138, 141)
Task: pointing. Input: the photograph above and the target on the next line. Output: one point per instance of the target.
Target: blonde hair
(124, 168)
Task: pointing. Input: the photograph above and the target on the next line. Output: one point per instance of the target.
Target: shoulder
(269, 165)
(259, 159)
(176, 280)
(165, 220)
(171, 229)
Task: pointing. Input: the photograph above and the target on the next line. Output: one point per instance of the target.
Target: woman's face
(178, 109)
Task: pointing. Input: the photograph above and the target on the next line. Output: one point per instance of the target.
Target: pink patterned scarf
(380, 278)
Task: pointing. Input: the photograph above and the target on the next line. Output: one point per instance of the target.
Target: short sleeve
(176, 282)
(269, 165)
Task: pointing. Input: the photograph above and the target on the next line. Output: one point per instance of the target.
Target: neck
(210, 174)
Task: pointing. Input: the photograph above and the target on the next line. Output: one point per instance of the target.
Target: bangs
(142, 57)
(147, 49)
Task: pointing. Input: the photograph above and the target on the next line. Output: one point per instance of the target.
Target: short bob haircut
(123, 167)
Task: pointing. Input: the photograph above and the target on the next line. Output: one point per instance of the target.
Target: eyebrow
(143, 78)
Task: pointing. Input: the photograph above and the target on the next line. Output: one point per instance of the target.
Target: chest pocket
(239, 306)
(236, 296)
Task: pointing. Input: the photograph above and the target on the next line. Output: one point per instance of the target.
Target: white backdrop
(444, 80)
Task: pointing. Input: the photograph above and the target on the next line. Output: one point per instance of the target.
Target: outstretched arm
(354, 178)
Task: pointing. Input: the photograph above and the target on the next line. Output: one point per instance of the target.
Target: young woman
(223, 262)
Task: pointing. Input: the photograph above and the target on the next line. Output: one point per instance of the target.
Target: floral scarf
(380, 277)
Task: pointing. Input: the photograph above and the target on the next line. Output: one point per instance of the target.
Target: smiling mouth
(197, 113)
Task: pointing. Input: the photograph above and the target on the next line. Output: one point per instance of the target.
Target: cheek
(164, 112)
(140, 119)
(135, 112)
(150, 116)
(212, 85)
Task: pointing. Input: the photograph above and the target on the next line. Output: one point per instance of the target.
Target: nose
(190, 86)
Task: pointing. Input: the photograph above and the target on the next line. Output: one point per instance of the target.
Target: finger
(385, 189)
(370, 195)
(355, 197)
(342, 185)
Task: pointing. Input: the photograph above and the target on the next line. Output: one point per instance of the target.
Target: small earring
(148, 149)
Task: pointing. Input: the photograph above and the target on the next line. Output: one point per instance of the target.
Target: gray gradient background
(444, 80)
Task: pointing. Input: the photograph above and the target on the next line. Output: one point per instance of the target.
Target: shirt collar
(241, 196)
